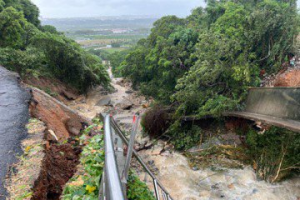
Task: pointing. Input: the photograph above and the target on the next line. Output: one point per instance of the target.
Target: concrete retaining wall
(277, 102)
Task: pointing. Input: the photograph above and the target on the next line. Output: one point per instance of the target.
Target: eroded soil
(59, 165)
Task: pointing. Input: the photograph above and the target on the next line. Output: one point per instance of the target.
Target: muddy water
(186, 184)
(173, 169)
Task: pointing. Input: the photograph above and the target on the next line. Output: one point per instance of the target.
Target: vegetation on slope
(276, 153)
(85, 184)
(203, 64)
(27, 47)
(206, 61)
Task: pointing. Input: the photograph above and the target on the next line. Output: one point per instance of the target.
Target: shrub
(276, 153)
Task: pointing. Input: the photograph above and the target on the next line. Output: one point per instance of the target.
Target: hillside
(31, 49)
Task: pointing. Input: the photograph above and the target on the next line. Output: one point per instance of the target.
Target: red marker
(134, 118)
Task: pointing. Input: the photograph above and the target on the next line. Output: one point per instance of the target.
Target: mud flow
(59, 166)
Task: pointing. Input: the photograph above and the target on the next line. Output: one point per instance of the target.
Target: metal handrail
(166, 195)
(112, 187)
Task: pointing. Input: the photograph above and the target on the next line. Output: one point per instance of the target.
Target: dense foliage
(202, 65)
(205, 62)
(26, 46)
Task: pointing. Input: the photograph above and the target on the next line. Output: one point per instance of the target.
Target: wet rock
(195, 168)
(121, 82)
(106, 101)
(151, 162)
(81, 99)
(215, 186)
(129, 92)
(69, 95)
(125, 105)
(157, 151)
(254, 191)
(231, 139)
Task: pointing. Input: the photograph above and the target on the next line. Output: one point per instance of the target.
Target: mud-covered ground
(13, 118)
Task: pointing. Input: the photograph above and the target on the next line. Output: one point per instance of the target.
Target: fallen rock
(231, 186)
(129, 92)
(231, 139)
(145, 105)
(106, 101)
(121, 82)
(125, 105)
(156, 151)
(69, 95)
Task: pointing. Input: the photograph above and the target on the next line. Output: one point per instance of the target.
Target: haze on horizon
(96, 8)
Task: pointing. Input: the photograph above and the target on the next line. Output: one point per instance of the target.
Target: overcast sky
(91, 8)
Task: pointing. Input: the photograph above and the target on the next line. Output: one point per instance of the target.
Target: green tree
(30, 11)
(12, 25)
(69, 63)
(2, 4)
(21, 61)
(49, 29)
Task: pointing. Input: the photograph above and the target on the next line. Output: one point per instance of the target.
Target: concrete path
(292, 125)
(13, 118)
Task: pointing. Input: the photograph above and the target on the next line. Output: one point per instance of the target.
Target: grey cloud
(84, 8)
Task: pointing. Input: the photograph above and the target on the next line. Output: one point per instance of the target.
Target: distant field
(101, 32)
(102, 41)
(101, 23)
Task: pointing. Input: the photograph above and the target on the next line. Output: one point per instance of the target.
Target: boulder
(125, 105)
(106, 101)
(128, 91)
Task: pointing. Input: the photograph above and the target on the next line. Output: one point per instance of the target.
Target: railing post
(156, 189)
(136, 120)
(102, 187)
(113, 188)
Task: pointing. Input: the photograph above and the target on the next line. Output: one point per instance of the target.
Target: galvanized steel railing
(112, 185)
